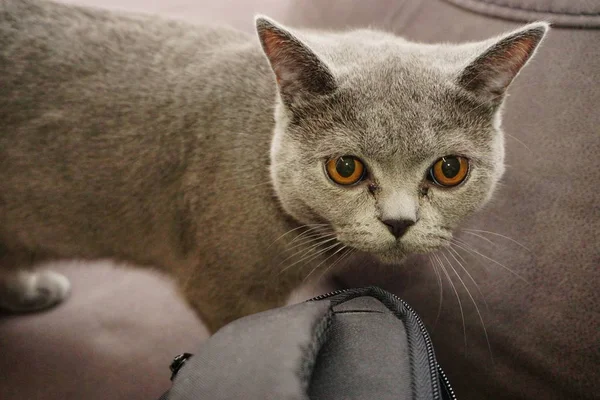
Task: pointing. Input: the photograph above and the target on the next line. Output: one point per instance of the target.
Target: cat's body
(152, 162)
(151, 142)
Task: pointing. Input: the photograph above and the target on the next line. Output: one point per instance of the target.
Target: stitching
(521, 8)
(360, 312)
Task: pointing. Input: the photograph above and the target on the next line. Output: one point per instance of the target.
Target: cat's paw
(27, 291)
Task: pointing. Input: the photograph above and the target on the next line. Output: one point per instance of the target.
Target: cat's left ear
(299, 72)
(490, 74)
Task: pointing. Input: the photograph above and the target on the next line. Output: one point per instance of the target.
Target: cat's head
(390, 143)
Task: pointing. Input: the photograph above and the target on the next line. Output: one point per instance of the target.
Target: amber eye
(345, 170)
(449, 171)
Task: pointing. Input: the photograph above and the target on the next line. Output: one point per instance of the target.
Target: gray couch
(116, 335)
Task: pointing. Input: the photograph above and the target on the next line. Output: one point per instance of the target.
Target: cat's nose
(398, 226)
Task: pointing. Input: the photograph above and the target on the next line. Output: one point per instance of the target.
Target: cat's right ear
(490, 74)
(299, 72)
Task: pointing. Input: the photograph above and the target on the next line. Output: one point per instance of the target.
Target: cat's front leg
(25, 290)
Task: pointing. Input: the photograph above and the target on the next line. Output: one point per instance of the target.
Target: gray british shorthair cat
(240, 165)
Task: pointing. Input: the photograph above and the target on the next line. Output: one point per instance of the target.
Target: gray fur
(168, 145)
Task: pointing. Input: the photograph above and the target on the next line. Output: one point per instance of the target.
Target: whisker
(502, 236)
(292, 230)
(457, 253)
(441, 286)
(314, 228)
(465, 246)
(309, 233)
(519, 141)
(308, 239)
(474, 303)
(319, 241)
(310, 257)
(468, 274)
(322, 262)
(462, 314)
(479, 236)
(349, 251)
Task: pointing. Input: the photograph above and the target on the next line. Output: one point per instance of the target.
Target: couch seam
(535, 10)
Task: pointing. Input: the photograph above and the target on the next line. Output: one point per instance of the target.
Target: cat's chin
(396, 256)
(390, 257)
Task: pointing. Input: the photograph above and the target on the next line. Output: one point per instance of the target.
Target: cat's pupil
(345, 166)
(450, 167)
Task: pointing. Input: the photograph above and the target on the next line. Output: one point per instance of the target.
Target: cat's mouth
(394, 252)
(364, 238)
(397, 254)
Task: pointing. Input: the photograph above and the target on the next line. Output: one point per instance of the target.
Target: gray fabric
(558, 12)
(263, 356)
(358, 347)
(543, 334)
(365, 356)
(424, 374)
(361, 304)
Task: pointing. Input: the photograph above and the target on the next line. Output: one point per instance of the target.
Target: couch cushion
(238, 13)
(114, 338)
(558, 12)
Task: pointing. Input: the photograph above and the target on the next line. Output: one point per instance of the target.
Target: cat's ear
(298, 70)
(490, 74)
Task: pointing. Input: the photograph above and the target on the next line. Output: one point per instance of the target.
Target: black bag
(358, 344)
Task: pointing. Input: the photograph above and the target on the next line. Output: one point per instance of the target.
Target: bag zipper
(434, 368)
(446, 382)
(326, 295)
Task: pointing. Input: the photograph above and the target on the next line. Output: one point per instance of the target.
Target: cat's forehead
(396, 98)
(393, 79)
(385, 115)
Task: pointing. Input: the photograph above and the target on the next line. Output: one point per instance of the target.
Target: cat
(238, 164)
